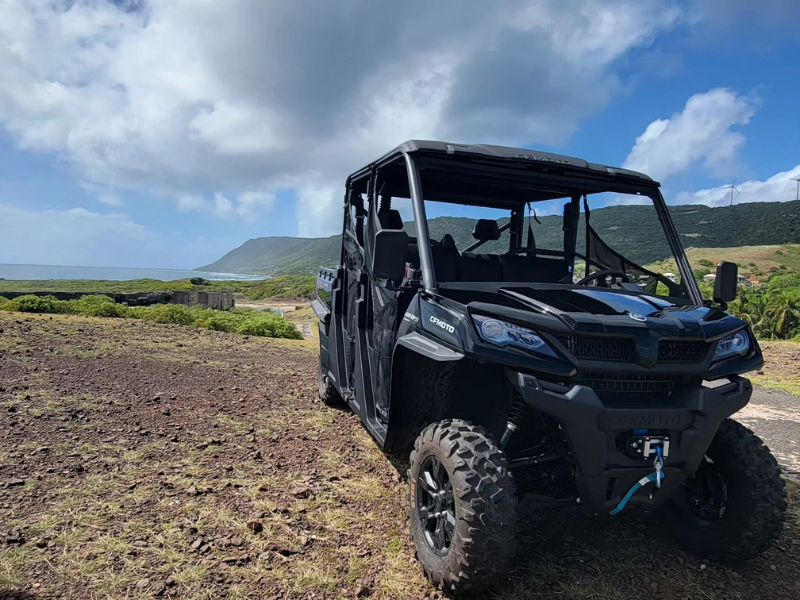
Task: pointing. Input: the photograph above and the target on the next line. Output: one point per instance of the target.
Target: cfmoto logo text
(447, 327)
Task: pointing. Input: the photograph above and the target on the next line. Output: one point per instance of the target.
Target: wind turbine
(797, 179)
(732, 187)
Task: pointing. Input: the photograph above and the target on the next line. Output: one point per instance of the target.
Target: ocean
(112, 273)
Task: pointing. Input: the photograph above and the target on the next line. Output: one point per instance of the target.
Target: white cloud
(75, 236)
(248, 205)
(319, 210)
(779, 188)
(186, 98)
(700, 135)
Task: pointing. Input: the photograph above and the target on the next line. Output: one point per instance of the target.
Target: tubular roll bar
(421, 223)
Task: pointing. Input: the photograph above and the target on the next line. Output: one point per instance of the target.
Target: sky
(166, 133)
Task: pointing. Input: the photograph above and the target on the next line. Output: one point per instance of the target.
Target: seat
(479, 267)
(486, 230)
(537, 269)
(390, 219)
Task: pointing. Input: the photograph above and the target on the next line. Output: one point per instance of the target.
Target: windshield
(554, 242)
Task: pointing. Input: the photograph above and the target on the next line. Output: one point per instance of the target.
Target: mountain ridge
(632, 230)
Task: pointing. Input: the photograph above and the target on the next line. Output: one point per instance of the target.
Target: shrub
(269, 325)
(198, 281)
(34, 304)
(97, 305)
(246, 321)
(164, 313)
(705, 262)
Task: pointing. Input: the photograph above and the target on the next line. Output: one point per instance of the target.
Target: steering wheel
(600, 276)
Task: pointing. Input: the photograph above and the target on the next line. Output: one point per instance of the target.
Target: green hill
(631, 229)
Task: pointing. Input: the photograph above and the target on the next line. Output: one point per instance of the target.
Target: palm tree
(785, 313)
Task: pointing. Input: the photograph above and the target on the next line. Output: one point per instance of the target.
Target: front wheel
(462, 507)
(734, 507)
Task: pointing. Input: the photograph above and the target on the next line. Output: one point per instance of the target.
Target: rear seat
(450, 266)
(517, 267)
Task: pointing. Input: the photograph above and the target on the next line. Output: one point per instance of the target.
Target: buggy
(501, 367)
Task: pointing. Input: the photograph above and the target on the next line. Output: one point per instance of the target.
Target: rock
(300, 491)
(142, 583)
(15, 482)
(192, 491)
(42, 450)
(285, 550)
(237, 541)
(255, 526)
(197, 543)
(14, 536)
(170, 581)
(364, 588)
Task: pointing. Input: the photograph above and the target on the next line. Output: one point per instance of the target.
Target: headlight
(502, 333)
(735, 343)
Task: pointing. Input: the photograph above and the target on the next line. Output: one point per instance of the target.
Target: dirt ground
(142, 461)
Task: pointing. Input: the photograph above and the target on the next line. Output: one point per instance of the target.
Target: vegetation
(100, 286)
(290, 287)
(293, 287)
(632, 230)
(237, 320)
(757, 263)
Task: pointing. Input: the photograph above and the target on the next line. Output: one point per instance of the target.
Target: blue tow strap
(639, 484)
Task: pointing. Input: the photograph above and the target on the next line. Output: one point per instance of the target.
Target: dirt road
(775, 416)
(141, 461)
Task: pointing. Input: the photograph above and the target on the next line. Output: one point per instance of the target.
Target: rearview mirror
(389, 254)
(726, 282)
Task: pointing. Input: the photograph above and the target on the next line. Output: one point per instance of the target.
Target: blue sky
(165, 134)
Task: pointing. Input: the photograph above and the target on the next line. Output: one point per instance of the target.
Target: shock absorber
(516, 417)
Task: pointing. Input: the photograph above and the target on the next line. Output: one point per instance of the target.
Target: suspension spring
(514, 421)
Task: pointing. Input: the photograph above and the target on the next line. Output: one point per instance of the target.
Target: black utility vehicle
(503, 373)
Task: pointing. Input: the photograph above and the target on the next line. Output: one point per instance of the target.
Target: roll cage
(505, 178)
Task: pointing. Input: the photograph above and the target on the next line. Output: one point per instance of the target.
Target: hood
(602, 311)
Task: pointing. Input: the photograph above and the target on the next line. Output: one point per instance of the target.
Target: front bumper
(604, 472)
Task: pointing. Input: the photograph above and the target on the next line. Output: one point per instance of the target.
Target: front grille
(600, 348)
(611, 387)
(682, 350)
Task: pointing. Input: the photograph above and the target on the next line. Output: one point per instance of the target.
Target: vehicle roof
(502, 155)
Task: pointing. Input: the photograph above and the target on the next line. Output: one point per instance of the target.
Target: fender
(429, 348)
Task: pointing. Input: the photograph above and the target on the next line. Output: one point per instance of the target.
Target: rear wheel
(327, 393)
(462, 507)
(734, 507)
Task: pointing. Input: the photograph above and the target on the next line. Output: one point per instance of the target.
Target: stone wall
(214, 299)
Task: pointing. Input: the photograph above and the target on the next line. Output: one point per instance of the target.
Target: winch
(641, 444)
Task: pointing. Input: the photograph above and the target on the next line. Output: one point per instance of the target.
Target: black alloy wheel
(706, 494)
(435, 505)
(734, 507)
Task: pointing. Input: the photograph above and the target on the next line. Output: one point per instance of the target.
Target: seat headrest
(448, 241)
(390, 219)
(486, 230)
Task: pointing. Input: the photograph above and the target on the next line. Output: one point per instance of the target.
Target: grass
(780, 366)
(123, 287)
(107, 537)
(244, 321)
(291, 287)
(755, 262)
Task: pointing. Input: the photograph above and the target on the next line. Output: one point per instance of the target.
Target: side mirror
(389, 254)
(726, 282)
